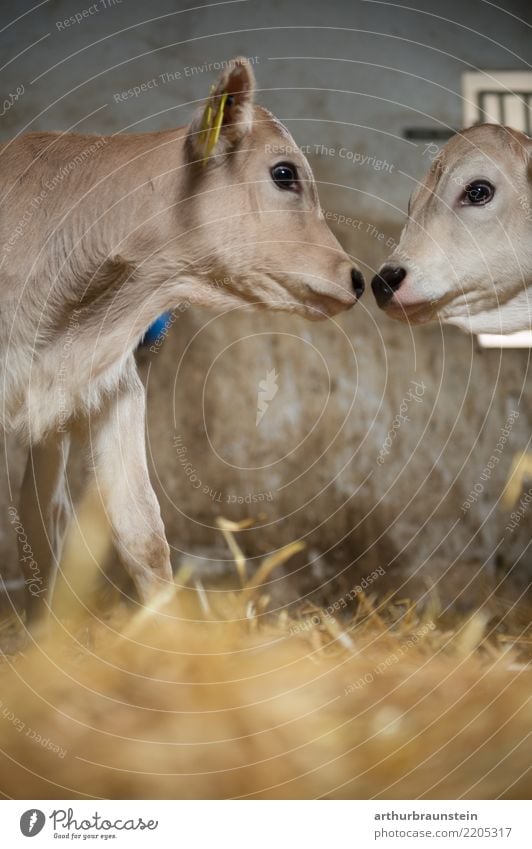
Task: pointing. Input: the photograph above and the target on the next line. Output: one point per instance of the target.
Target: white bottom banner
(266, 824)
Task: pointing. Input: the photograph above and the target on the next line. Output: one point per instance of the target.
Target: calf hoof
(150, 581)
(15, 642)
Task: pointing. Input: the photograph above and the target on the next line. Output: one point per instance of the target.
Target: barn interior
(350, 610)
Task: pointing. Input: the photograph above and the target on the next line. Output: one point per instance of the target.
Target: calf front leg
(44, 512)
(118, 449)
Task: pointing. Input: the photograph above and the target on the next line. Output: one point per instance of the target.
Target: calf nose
(358, 282)
(386, 282)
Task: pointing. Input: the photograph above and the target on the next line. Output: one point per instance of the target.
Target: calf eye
(479, 192)
(285, 176)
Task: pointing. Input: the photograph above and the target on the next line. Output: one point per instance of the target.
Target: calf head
(465, 255)
(254, 208)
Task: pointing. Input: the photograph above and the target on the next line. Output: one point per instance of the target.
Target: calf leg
(43, 516)
(118, 451)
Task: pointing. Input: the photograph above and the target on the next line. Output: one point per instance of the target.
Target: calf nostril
(386, 282)
(358, 282)
(393, 275)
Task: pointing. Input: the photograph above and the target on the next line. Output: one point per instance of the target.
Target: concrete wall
(343, 76)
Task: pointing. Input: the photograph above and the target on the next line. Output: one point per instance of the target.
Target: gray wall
(343, 75)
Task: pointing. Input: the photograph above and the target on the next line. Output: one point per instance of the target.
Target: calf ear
(227, 117)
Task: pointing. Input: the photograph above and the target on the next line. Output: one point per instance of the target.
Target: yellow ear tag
(206, 118)
(211, 126)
